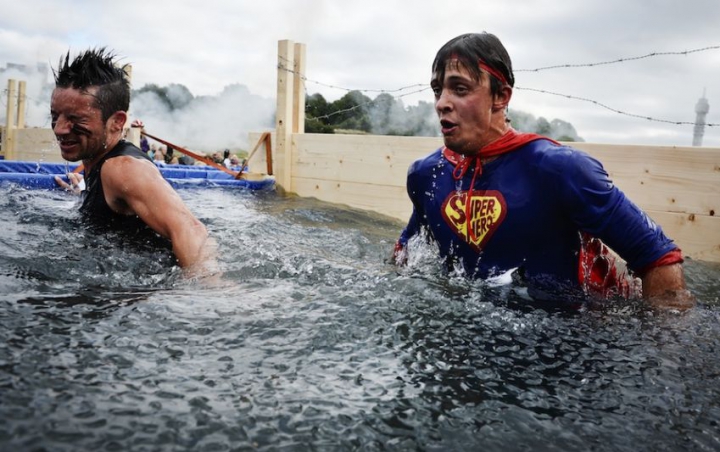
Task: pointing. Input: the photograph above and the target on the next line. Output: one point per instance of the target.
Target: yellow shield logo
(476, 219)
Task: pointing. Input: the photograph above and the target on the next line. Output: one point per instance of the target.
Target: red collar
(510, 141)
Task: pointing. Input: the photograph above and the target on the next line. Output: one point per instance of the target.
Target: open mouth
(447, 127)
(66, 143)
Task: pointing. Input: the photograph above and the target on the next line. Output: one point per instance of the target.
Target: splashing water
(312, 341)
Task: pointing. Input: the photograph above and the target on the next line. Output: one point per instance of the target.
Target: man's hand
(664, 288)
(137, 123)
(76, 185)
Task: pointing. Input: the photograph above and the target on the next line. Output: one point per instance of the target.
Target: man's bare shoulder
(124, 169)
(126, 178)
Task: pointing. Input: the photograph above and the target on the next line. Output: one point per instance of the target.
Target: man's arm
(664, 287)
(134, 186)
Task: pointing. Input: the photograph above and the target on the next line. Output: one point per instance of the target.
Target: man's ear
(502, 99)
(117, 121)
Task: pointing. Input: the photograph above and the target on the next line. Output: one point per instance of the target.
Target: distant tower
(701, 109)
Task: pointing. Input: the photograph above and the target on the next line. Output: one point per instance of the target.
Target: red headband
(494, 72)
(484, 66)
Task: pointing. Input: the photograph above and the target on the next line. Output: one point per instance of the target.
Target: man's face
(77, 124)
(464, 106)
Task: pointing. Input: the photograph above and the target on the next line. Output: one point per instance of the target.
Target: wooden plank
(371, 159)
(37, 145)
(299, 63)
(284, 115)
(697, 235)
(673, 179)
(8, 143)
(391, 201)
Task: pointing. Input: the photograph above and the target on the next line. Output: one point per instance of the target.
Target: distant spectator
(159, 155)
(234, 160)
(169, 155)
(226, 158)
(144, 145)
(186, 160)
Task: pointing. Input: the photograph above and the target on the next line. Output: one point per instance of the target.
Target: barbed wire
(567, 96)
(424, 87)
(614, 110)
(619, 60)
(379, 91)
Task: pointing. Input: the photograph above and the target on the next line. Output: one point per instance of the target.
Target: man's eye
(436, 91)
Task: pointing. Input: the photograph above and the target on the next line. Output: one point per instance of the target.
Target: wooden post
(299, 89)
(284, 115)
(21, 104)
(8, 144)
(130, 135)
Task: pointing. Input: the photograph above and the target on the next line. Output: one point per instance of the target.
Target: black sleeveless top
(94, 206)
(128, 232)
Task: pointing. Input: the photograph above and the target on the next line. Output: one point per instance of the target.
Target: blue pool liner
(42, 176)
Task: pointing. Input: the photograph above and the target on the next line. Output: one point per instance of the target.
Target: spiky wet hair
(96, 68)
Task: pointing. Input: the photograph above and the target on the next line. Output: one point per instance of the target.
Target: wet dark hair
(471, 48)
(96, 68)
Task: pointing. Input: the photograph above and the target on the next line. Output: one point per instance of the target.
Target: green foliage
(385, 115)
(556, 129)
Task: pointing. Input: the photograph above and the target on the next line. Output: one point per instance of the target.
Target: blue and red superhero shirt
(530, 209)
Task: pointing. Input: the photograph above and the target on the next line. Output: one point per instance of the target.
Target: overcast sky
(389, 44)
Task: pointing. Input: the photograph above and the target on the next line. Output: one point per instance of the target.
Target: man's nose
(61, 126)
(443, 102)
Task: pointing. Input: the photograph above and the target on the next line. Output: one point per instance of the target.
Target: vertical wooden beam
(22, 88)
(134, 138)
(284, 115)
(8, 144)
(299, 89)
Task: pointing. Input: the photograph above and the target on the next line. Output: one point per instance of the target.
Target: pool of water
(312, 342)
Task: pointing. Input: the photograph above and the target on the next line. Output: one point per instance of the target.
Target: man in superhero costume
(495, 200)
(125, 190)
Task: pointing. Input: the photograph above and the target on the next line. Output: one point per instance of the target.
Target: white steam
(203, 123)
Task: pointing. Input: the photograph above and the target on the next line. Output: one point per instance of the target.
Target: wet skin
(78, 125)
(470, 115)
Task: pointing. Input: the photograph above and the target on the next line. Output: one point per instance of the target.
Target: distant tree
(316, 114)
(386, 115)
(422, 120)
(317, 107)
(565, 138)
(542, 127)
(173, 96)
(178, 95)
(349, 112)
(556, 129)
